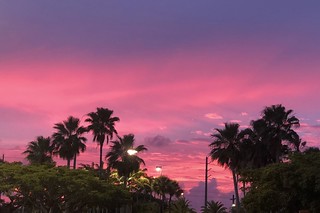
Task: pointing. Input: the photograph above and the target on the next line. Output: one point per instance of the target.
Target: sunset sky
(172, 71)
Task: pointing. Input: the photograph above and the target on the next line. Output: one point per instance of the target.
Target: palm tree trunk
(170, 198)
(74, 161)
(235, 183)
(101, 162)
(68, 163)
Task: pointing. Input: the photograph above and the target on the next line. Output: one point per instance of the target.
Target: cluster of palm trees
(123, 168)
(68, 141)
(269, 139)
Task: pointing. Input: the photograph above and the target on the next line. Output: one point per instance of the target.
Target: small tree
(214, 207)
(182, 205)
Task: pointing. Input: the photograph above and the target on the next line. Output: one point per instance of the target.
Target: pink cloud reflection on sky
(171, 72)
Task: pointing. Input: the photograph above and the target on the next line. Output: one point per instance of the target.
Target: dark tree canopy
(291, 186)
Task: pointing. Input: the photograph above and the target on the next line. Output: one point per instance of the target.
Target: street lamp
(159, 169)
(233, 204)
(132, 151)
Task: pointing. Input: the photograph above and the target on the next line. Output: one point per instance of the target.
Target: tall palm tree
(275, 128)
(69, 140)
(253, 151)
(102, 126)
(226, 150)
(39, 151)
(119, 158)
(214, 207)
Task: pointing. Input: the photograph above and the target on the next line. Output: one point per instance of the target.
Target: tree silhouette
(102, 126)
(164, 186)
(226, 150)
(119, 158)
(214, 207)
(68, 139)
(275, 131)
(182, 205)
(39, 151)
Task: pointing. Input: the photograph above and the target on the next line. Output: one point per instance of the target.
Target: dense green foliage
(286, 187)
(57, 189)
(45, 188)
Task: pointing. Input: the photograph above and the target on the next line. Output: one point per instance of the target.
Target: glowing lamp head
(132, 151)
(158, 168)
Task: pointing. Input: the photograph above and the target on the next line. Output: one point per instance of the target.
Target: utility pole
(206, 185)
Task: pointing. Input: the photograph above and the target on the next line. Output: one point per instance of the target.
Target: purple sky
(171, 70)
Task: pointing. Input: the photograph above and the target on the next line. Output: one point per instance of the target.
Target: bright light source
(132, 151)
(158, 168)
(233, 205)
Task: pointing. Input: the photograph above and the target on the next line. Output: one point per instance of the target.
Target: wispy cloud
(157, 141)
(235, 121)
(202, 133)
(214, 116)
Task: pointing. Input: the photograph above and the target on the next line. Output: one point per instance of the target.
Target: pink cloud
(214, 116)
(213, 194)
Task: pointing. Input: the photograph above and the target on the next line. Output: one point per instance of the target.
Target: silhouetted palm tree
(102, 126)
(173, 189)
(226, 150)
(214, 207)
(119, 158)
(39, 151)
(275, 128)
(69, 140)
(164, 186)
(253, 152)
(182, 205)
